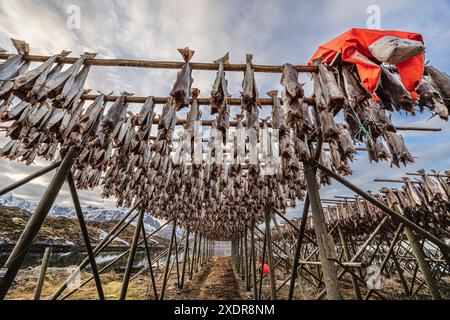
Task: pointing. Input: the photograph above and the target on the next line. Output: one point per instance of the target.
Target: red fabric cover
(353, 46)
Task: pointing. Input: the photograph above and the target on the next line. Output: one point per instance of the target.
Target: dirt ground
(215, 281)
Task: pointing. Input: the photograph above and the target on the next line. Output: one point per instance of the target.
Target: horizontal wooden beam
(409, 128)
(163, 64)
(201, 101)
(429, 174)
(393, 180)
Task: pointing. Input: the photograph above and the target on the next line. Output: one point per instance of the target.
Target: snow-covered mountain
(91, 213)
(8, 200)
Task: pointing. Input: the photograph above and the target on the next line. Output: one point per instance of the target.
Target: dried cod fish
(250, 92)
(289, 80)
(219, 92)
(182, 87)
(8, 69)
(398, 149)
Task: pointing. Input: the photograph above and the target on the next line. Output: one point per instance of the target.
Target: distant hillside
(60, 230)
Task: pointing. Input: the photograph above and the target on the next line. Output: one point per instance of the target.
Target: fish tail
(21, 46)
(272, 93)
(186, 54)
(225, 59)
(249, 58)
(195, 93)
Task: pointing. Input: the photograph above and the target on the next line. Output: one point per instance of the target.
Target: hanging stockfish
(340, 164)
(26, 81)
(72, 89)
(8, 69)
(278, 113)
(219, 92)
(182, 87)
(325, 160)
(145, 120)
(72, 117)
(328, 126)
(431, 98)
(45, 76)
(381, 118)
(219, 97)
(166, 129)
(398, 149)
(6, 87)
(89, 120)
(249, 90)
(289, 80)
(332, 93)
(392, 92)
(355, 92)
(116, 114)
(441, 81)
(346, 145)
(194, 115)
(59, 85)
(376, 150)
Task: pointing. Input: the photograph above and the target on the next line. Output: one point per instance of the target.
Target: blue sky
(275, 32)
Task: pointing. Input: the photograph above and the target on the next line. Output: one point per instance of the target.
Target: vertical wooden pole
(423, 264)
(185, 258)
(246, 282)
(43, 272)
(131, 255)
(347, 258)
(263, 259)
(169, 253)
(273, 289)
(199, 248)
(85, 234)
(327, 251)
(36, 221)
(150, 263)
(176, 260)
(194, 248)
(298, 247)
(253, 253)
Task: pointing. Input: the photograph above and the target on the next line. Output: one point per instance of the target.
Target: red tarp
(353, 46)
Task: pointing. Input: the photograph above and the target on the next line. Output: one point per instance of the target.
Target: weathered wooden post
(149, 261)
(185, 258)
(327, 250)
(263, 259)
(134, 244)
(423, 264)
(167, 266)
(194, 248)
(36, 221)
(43, 272)
(246, 281)
(298, 247)
(347, 258)
(273, 289)
(85, 234)
(253, 253)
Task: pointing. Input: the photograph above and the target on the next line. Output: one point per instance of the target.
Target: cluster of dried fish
(219, 98)
(49, 103)
(434, 90)
(212, 195)
(425, 202)
(366, 120)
